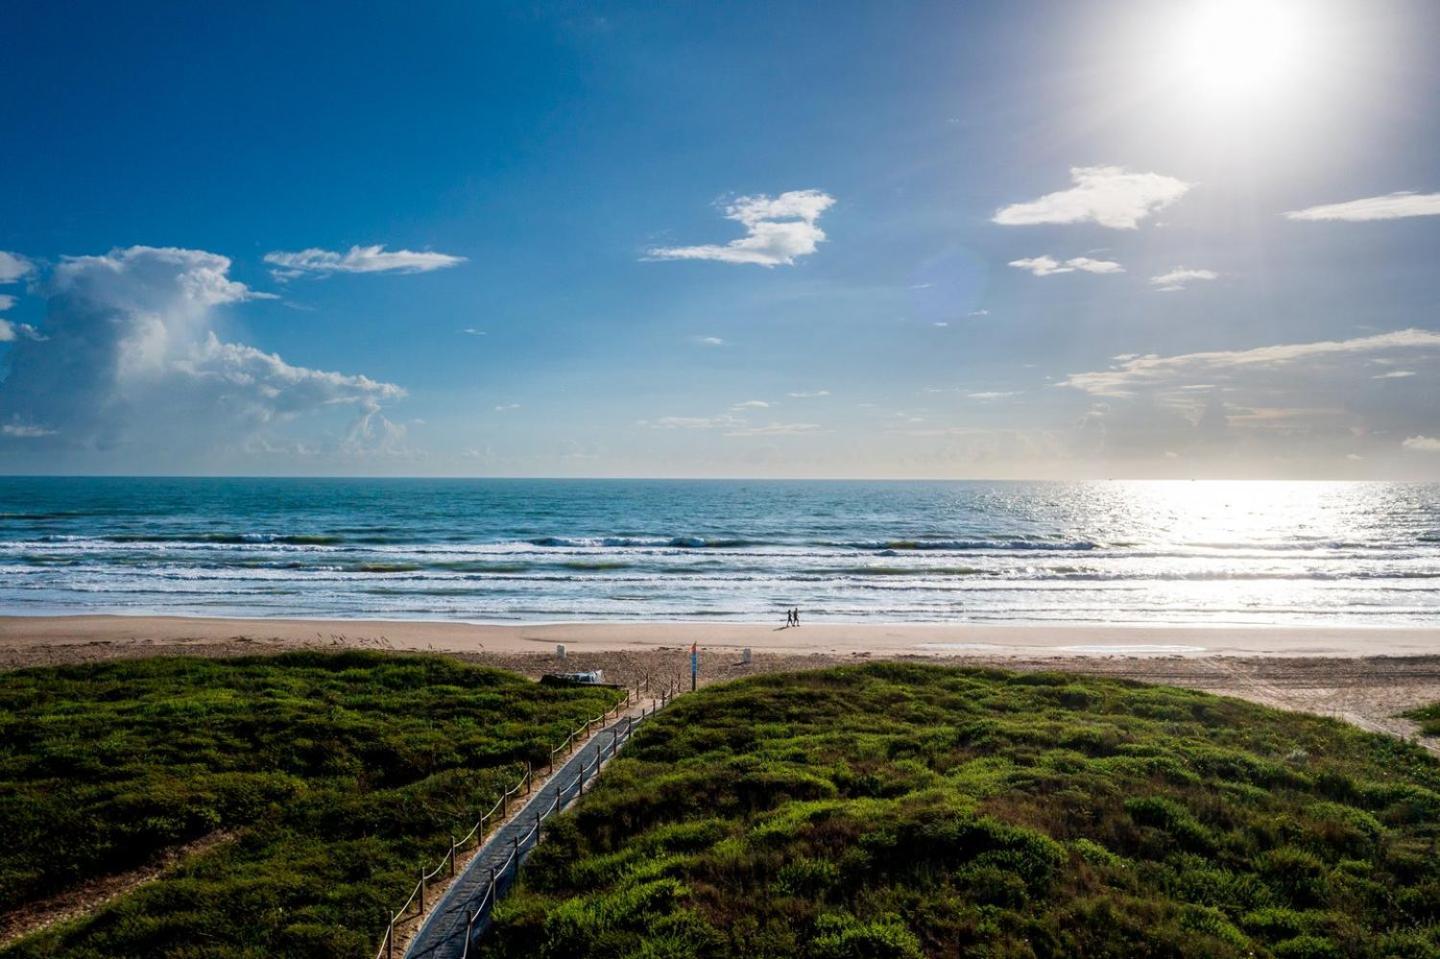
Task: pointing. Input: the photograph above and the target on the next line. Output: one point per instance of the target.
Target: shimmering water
(543, 550)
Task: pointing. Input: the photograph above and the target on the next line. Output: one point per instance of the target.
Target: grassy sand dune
(904, 810)
(336, 774)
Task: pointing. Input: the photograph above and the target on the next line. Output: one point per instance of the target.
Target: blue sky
(988, 239)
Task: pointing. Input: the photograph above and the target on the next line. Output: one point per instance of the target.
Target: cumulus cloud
(1108, 195)
(778, 230)
(1422, 444)
(358, 259)
(130, 359)
(1392, 206)
(6, 301)
(1048, 265)
(1178, 278)
(1152, 370)
(14, 267)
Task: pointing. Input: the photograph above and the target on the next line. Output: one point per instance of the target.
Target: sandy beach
(1363, 676)
(21, 633)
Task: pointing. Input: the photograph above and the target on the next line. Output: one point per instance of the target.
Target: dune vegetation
(1428, 717)
(904, 811)
(327, 780)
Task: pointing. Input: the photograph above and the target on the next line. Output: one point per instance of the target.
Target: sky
(1079, 239)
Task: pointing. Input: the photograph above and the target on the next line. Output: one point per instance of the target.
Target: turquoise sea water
(548, 550)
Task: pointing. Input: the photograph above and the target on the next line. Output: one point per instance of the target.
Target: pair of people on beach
(792, 617)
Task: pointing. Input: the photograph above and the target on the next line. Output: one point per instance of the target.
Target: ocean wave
(964, 545)
(631, 542)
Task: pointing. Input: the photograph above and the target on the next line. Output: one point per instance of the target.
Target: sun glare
(1233, 51)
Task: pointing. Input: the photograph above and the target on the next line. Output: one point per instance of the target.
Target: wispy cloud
(14, 267)
(1108, 195)
(24, 431)
(6, 301)
(709, 341)
(1392, 206)
(751, 405)
(1394, 375)
(808, 395)
(1048, 265)
(723, 421)
(1153, 370)
(776, 429)
(358, 259)
(506, 407)
(471, 331)
(986, 396)
(10, 332)
(777, 231)
(1422, 444)
(1178, 278)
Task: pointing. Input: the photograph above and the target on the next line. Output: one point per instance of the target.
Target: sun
(1232, 52)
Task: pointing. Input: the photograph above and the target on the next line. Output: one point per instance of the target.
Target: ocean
(1155, 553)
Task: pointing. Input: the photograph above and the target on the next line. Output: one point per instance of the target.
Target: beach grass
(897, 810)
(1428, 717)
(325, 779)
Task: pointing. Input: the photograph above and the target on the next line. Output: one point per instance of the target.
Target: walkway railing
(501, 811)
(503, 877)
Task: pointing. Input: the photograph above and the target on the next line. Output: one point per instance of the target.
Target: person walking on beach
(795, 616)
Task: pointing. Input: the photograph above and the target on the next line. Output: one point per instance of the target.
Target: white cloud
(1422, 444)
(776, 429)
(709, 341)
(940, 323)
(723, 421)
(1048, 265)
(979, 313)
(751, 405)
(1394, 375)
(507, 407)
(24, 431)
(1152, 370)
(130, 359)
(1107, 195)
(986, 396)
(13, 267)
(1178, 278)
(358, 259)
(471, 331)
(812, 394)
(10, 332)
(1392, 206)
(6, 301)
(777, 231)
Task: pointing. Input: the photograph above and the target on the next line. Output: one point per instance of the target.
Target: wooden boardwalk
(443, 933)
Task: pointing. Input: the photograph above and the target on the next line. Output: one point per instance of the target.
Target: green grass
(904, 811)
(1428, 717)
(340, 774)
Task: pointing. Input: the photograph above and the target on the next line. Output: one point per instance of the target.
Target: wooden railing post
(422, 890)
(452, 855)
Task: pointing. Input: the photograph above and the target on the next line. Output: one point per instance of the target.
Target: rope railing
(497, 813)
(491, 896)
